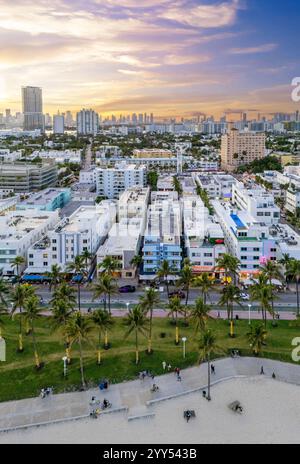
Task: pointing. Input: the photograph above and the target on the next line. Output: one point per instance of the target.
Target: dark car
(178, 293)
(127, 289)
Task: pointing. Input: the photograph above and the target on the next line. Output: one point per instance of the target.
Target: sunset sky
(171, 57)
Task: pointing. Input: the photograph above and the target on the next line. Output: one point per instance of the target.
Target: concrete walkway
(135, 397)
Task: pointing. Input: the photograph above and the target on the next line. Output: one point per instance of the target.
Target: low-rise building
(203, 236)
(111, 182)
(162, 239)
(18, 231)
(123, 244)
(46, 200)
(27, 177)
(257, 201)
(84, 229)
(245, 238)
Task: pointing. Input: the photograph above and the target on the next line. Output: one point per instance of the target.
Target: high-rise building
(141, 118)
(240, 148)
(58, 124)
(87, 122)
(69, 119)
(7, 115)
(32, 103)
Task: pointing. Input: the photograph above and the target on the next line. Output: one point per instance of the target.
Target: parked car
(245, 296)
(127, 289)
(178, 293)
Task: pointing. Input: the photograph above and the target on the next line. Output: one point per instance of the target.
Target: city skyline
(173, 58)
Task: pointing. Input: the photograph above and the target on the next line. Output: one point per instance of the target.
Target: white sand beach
(271, 415)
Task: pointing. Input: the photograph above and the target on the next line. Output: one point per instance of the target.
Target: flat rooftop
(16, 226)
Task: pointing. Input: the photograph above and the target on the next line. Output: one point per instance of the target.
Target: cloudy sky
(172, 57)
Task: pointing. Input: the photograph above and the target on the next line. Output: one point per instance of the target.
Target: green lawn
(19, 379)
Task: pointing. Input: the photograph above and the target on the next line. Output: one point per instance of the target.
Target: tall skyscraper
(87, 122)
(32, 104)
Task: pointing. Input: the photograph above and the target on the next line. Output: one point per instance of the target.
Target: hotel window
(255, 258)
(45, 263)
(243, 258)
(30, 263)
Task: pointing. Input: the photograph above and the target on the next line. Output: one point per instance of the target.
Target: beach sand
(271, 415)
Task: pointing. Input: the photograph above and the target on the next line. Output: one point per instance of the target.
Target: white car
(245, 296)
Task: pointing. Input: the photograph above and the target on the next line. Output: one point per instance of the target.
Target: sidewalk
(135, 397)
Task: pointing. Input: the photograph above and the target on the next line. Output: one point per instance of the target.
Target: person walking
(212, 368)
(164, 365)
(262, 370)
(169, 367)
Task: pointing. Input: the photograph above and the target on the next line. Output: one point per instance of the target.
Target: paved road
(88, 156)
(284, 301)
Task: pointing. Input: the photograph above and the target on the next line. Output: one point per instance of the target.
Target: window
(243, 258)
(30, 256)
(273, 250)
(54, 240)
(207, 255)
(255, 249)
(243, 249)
(54, 256)
(256, 258)
(45, 263)
(53, 248)
(30, 263)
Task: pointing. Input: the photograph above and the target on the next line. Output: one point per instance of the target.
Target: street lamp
(127, 305)
(249, 312)
(65, 360)
(184, 339)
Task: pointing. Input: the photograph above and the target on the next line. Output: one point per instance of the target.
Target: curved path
(135, 396)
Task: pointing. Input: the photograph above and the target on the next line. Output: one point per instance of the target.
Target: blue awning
(34, 277)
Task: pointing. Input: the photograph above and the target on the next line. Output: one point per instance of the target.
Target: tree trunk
(109, 310)
(150, 332)
(81, 364)
(136, 348)
(79, 302)
(208, 379)
(20, 331)
(99, 349)
(297, 291)
(36, 355)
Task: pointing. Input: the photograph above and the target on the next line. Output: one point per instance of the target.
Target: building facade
(239, 148)
(32, 104)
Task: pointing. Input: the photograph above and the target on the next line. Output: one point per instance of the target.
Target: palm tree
(185, 280)
(205, 283)
(3, 312)
(164, 272)
(200, 314)
(136, 322)
(148, 302)
(207, 346)
(285, 262)
(293, 271)
(64, 292)
(136, 261)
(17, 263)
(55, 276)
(230, 295)
(230, 264)
(32, 312)
(78, 269)
(62, 310)
(109, 265)
(87, 256)
(18, 298)
(257, 337)
(262, 292)
(78, 329)
(105, 285)
(104, 322)
(175, 307)
(4, 291)
(271, 271)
